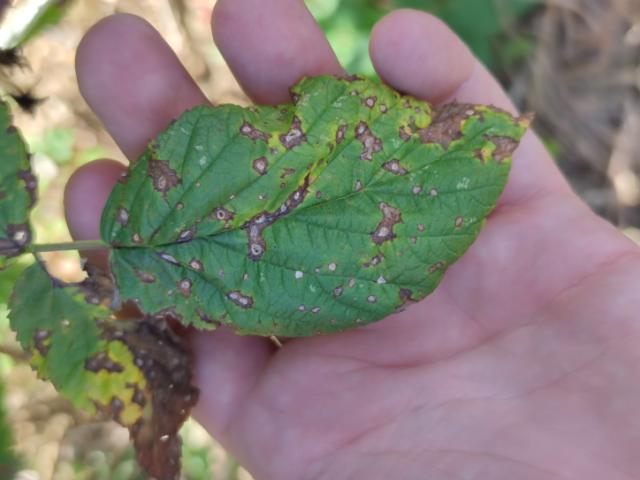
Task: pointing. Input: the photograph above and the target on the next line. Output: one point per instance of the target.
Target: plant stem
(78, 245)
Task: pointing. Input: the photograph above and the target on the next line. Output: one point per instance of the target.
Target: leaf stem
(77, 245)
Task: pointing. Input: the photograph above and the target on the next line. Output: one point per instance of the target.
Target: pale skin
(522, 365)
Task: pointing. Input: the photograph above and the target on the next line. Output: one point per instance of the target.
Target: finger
(269, 46)
(133, 81)
(418, 54)
(227, 366)
(84, 198)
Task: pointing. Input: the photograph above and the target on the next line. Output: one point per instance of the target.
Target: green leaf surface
(18, 190)
(313, 217)
(137, 372)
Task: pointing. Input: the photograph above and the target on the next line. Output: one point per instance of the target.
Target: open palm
(522, 365)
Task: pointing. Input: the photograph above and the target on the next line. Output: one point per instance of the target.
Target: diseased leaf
(18, 189)
(306, 218)
(137, 372)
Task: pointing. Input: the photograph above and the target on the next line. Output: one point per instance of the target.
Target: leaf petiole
(77, 245)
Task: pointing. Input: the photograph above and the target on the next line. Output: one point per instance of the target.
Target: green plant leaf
(308, 218)
(18, 190)
(137, 372)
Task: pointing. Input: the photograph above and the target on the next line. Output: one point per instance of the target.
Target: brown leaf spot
(18, 237)
(122, 216)
(164, 178)
(370, 143)
(97, 286)
(145, 277)
(436, 266)
(184, 286)
(394, 167)
(342, 129)
(138, 397)
(115, 407)
(260, 165)
(253, 133)
(255, 226)
(206, 318)
(40, 341)
(375, 260)
(31, 184)
(196, 265)
(383, 108)
(222, 215)
(168, 258)
(390, 218)
(505, 147)
(338, 291)
(136, 238)
(349, 78)
(446, 125)
(186, 235)
(295, 136)
(405, 295)
(240, 299)
(405, 298)
(370, 102)
(404, 132)
(459, 222)
(287, 171)
(19, 234)
(101, 361)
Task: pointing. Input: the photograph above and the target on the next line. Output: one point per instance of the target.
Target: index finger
(133, 81)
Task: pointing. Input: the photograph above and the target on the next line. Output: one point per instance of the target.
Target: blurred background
(576, 63)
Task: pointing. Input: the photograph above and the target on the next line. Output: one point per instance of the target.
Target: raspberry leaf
(308, 218)
(136, 372)
(18, 189)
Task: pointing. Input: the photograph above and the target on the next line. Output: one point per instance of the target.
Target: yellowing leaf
(137, 372)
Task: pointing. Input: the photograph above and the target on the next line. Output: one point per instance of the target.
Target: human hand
(522, 364)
